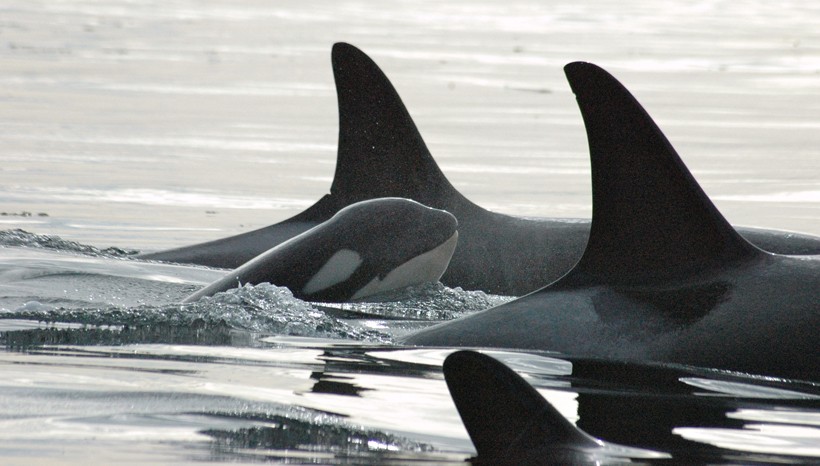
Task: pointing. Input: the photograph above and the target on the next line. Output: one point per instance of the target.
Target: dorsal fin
(503, 414)
(650, 218)
(381, 153)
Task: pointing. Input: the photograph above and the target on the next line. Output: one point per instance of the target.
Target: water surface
(147, 125)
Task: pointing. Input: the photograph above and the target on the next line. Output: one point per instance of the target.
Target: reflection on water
(231, 379)
(806, 197)
(237, 101)
(254, 373)
(149, 125)
(353, 404)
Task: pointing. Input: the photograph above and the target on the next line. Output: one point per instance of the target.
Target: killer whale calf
(365, 249)
(509, 422)
(664, 277)
(381, 154)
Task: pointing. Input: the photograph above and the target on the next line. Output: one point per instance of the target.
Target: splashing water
(23, 238)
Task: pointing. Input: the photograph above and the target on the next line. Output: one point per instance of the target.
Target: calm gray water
(146, 125)
(154, 124)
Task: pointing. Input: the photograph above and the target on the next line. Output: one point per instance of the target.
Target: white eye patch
(336, 270)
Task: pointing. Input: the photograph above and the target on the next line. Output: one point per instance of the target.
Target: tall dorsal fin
(502, 412)
(381, 153)
(650, 218)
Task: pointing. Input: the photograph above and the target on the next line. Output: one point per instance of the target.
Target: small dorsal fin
(503, 414)
(650, 218)
(381, 153)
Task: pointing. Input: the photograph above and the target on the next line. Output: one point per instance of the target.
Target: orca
(509, 422)
(381, 154)
(664, 277)
(365, 249)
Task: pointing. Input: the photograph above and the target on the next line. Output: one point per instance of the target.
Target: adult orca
(382, 154)
(664, 276)
(509, 422)
(367, 248)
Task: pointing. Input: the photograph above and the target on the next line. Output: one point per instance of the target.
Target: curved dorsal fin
(650, 218)
(381, 153)
(502, 412)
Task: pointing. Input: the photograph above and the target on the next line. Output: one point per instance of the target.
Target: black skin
(382, 154)
(384, 233)
(664, 277)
